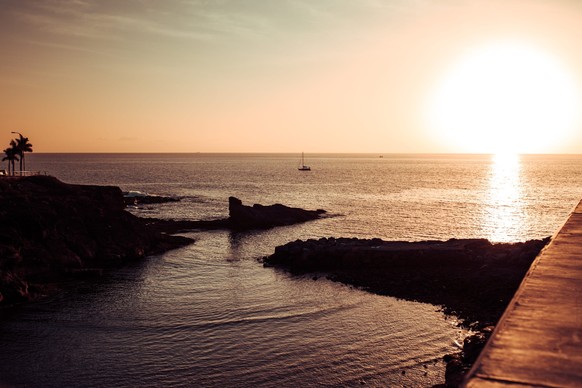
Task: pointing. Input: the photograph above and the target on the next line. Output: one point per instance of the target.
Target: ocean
(210, 315)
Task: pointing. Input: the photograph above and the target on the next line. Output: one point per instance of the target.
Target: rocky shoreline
(472, 279)
(51, 232)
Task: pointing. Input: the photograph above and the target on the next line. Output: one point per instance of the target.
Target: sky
(382, 76)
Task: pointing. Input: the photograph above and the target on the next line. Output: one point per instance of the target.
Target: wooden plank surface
(538, 341)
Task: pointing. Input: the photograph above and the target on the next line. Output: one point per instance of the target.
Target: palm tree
(11, 156)
(22, 145)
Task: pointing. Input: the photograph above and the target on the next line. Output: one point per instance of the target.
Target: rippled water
(210, 315)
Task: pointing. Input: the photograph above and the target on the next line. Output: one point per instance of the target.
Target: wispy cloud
(94, 20)
(150, 31)
(77, 19)
(69, 47)
(189, 19)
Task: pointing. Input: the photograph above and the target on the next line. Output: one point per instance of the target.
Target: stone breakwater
(472, 279)
(51, 231)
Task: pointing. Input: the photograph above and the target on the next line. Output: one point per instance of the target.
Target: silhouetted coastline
(51, 231)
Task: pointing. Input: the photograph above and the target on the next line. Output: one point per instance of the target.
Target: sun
(505, 97)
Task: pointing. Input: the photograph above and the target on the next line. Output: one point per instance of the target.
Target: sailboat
(302, 166)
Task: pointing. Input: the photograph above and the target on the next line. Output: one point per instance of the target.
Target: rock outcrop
(50, 231)
(243, 218)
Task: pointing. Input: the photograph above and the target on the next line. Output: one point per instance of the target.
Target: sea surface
(210, 315)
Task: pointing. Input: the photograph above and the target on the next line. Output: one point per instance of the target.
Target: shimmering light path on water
(503, 206)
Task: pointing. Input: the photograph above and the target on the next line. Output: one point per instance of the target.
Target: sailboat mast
(303, 167)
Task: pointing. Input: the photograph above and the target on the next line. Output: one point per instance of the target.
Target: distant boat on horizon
(302, 166)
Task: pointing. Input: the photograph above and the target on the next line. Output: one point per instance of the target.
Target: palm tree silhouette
(22, 146)
(11, 156)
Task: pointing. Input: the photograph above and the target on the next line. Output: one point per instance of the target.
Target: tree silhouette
(22, 145)
(11, 156)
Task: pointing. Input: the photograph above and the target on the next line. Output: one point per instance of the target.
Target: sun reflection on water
(503, 207)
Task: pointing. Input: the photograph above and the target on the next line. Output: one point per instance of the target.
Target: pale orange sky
(260, 76)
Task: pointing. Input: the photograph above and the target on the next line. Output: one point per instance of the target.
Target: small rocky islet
(243, 218)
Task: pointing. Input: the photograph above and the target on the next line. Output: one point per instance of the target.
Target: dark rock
(459, 364)
(133, 198)
(455, 372)
(50, 231)
(243, 217)
(473, 345)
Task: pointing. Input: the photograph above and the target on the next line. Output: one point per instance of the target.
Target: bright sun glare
(505, 97)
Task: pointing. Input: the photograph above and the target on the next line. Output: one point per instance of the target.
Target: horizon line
(296, 153)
